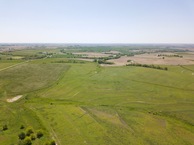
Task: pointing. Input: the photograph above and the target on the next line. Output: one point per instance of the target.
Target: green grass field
(84, 103)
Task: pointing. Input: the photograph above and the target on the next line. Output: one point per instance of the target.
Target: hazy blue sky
(97, 21)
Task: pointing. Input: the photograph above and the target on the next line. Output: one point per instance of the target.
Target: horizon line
(93, 43)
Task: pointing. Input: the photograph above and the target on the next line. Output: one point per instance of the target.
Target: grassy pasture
(7, 63)
(89, 104)
(29, 52)
(29, 76)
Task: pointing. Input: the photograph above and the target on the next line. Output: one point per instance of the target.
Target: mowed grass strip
(8, 63)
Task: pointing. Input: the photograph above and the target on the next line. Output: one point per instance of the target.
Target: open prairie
(78, 102)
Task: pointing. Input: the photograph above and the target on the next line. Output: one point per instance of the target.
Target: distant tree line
(171, 55)
(68, 61)
(102, 61)
(148, 66)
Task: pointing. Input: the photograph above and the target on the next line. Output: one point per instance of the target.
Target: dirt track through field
(55, 137)
(163, 85)
(13, 66)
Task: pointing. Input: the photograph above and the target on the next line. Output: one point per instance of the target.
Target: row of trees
(148, 66)
(68, 61)
(102, 61)
(170, 55)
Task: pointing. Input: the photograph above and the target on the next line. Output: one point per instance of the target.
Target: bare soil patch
(153, 58)
(14, 98)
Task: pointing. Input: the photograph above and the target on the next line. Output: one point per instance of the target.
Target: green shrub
(5, 127)
(29, 131)
(39, 134)
(27, 141)
(50, 143)
(22, 127)
(33, 137)
(22, 135)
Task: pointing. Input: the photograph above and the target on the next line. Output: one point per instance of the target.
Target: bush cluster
(29, 135)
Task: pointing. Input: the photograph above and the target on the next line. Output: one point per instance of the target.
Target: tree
(39, 134)
(29, 131)
(33, 137)
(27, 141)
(22, 127)
(22, 135)
(52, 142)
(5, 127)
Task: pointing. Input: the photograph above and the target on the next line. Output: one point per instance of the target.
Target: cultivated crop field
(77, 102)
(156, 58)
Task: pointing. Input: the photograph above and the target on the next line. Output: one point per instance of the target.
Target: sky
(96, 21)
